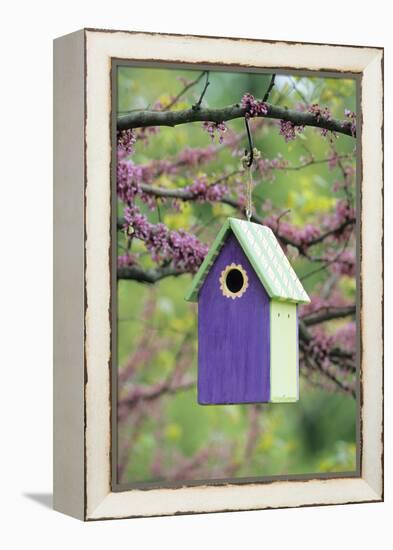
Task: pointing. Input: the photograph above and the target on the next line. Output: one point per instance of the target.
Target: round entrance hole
(234, 280)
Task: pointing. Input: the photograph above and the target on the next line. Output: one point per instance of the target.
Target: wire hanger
(248, 160)
(249, 153)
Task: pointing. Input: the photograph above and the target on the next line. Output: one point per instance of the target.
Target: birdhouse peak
(264, 253)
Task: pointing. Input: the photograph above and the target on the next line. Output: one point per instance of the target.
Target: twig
(148, 393)
(266, 96)
(301, 95)
(311, 162)
(183, 91)
(326, 372)
(278, 220)
(197, 105)
(327, 262)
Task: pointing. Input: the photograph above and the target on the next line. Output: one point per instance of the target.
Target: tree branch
(328, 373)
(148, 393)
(150, 276)
(346, 223)
(142, 119)
(328, 315)
(186, 195)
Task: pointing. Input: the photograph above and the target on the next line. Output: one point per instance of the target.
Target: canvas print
(235, 341)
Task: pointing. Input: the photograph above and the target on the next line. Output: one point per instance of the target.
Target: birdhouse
(247, 294)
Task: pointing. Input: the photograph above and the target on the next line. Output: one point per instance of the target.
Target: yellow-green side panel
(284, 369)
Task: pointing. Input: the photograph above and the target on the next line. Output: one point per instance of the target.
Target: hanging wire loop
(248, 160)
(250, 151)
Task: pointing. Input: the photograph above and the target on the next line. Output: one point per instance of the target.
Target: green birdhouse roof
(264, 254)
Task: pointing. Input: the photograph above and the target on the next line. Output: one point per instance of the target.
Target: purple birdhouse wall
(233, 336)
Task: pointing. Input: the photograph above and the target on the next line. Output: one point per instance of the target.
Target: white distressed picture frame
(82, 249)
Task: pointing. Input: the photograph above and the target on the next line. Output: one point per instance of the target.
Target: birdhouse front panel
(248, 323)
(233, 332)
(284, 361)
